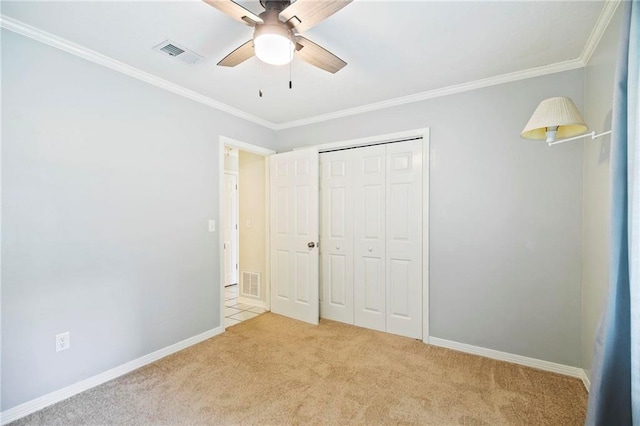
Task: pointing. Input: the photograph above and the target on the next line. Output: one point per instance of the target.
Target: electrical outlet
(63, 341)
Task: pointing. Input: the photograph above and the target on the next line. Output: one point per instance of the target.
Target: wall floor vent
(251, 284)
(179, 52)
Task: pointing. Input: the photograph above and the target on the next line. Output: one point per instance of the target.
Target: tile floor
(235, 312)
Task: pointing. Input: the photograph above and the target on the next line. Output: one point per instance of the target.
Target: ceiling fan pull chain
(290, 65)
(260, 78)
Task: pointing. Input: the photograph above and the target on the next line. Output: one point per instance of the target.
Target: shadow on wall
(605, 147)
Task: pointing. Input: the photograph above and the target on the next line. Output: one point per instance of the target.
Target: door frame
(224, 141)
(424, 133)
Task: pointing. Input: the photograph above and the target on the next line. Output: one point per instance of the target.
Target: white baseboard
(513, 358)
(34, 405)
(585, 380)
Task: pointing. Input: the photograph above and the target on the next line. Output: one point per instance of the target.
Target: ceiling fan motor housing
(272, 25)
(278, 5)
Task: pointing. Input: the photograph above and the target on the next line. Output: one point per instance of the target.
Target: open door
(295, 234)
(230, 231)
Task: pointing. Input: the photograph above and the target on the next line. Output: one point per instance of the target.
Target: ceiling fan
(276, 36)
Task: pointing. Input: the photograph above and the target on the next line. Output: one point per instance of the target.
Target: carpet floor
(274, 370)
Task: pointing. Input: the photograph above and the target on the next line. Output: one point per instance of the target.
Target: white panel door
(230, 229)
(404, 238)
(336, 236)
(294, 234)
(369, 237)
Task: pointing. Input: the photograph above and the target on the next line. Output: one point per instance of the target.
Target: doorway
(243, 232)
(291, 258)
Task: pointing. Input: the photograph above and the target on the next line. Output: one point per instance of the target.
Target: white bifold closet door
(371, 237)
(369, 274)
(336, 236)
(404, 239)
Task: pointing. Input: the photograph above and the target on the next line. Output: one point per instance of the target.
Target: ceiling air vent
(172, 50)
(181, 53)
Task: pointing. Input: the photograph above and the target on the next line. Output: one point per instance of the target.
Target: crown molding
(436, 93)
(609, 8)
(600, 27)
(593, 40)
(104, 60)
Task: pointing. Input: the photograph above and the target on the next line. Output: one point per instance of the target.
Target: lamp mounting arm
(592, 134)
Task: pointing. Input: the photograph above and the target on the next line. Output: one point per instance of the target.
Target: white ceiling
(393, 48)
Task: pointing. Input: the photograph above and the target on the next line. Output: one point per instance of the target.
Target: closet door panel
(373, 285)
(404, 238)
(369, 237)
(336, 236)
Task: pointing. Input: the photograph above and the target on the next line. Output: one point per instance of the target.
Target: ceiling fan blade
(238, 56)
(304, 14)
(237, 12)
(318, 56)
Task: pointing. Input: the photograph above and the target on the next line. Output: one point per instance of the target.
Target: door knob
(370, 249)
(337, 247)
(311, 244)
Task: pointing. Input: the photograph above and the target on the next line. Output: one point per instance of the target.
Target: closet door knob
(370, 249)
(337, 247)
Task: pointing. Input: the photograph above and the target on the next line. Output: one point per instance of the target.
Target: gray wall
(599, 77)
(108, 184)
(505, 215)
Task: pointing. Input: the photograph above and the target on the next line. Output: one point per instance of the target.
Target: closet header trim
(323, 151)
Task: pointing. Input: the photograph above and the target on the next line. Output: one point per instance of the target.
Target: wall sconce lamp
(557, 118)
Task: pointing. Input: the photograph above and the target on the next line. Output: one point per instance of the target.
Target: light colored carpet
(274, 370)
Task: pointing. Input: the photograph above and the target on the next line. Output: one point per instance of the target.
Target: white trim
(426, 170)
(585, 380)
(83, 52)
(224, 141)
(104, 60)
(553, 367)
(352, 143)
(244, 146)
(598, 30)
(444, 91)
(221, 280)
(39, 403)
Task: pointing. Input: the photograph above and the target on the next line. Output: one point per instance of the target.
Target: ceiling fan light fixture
(273, 44)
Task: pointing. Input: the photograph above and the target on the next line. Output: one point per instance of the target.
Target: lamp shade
(555, 114)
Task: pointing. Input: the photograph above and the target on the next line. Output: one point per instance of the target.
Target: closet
(371, 236)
